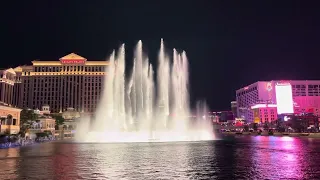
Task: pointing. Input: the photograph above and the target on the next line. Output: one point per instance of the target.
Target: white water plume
(140, 110)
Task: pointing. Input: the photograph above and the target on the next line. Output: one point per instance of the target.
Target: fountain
(138, 110)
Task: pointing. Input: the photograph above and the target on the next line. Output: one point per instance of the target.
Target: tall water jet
(131, 94)
(138, 81)
(163, 86)
(179, 88)
(119, 90)
(138, 110)
(104, 114)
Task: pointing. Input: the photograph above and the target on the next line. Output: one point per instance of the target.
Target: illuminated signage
(269, 86)
(283, 83)
(284, 98)
(73, 61)
(286, 118)
(263, 106)
(238, 122)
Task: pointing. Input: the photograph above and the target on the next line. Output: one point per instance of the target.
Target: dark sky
(229, 43)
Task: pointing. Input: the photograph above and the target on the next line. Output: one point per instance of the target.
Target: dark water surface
(230, 158)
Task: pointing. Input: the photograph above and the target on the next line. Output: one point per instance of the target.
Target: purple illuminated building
(257, 100)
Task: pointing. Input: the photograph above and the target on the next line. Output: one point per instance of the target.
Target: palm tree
(255, 126)
(265, 126)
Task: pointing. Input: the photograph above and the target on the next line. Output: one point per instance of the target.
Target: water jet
(140, 110)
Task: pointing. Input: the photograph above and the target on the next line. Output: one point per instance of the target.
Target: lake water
(243, 157)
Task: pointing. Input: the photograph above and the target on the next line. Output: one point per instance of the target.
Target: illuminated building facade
(7, 81)
(289, 96)
(264, 113)
(45, 122)
(72, 81)
(10, 119)
(9, 115)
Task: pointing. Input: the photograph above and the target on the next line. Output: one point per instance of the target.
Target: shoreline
(307, 135)
(24, 144)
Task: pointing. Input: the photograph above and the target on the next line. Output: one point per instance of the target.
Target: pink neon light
(246, 88)
(284, 98)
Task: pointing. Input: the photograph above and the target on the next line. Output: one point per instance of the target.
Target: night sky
(229, 44)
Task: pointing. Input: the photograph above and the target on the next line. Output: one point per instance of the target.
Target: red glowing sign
(73, 61)
(238, 122)
(310, 110)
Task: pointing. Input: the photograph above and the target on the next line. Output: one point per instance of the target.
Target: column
(68, 89)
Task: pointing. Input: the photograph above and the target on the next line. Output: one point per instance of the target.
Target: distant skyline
(229, 44)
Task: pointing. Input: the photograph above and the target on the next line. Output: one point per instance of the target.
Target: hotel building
(264, 100)
(72, 81)
(9, 115)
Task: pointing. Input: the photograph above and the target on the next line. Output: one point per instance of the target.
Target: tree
(59, 119)
(27, 117)
(266, 126)
(298, 124)
(246, 128)
(255, 126)
(280, 126)
(316, 123)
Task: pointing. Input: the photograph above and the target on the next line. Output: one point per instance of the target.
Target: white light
(284, 98)
(263, 106)
(286, 118)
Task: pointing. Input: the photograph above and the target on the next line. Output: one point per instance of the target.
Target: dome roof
(70, 113)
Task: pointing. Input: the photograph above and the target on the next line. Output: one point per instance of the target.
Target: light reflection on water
(256, 157)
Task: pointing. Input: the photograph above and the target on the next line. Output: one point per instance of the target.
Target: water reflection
(9, 168)
(35, 159)
(63, 161)
(257, 157)
(277, 157)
